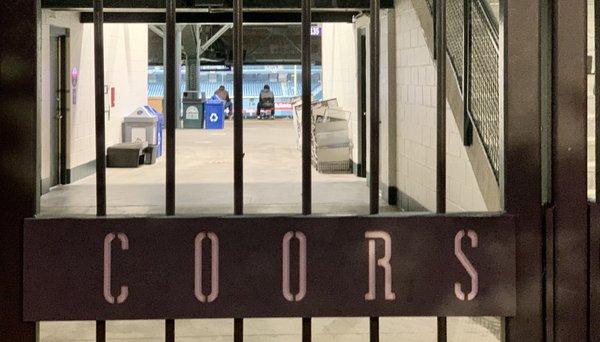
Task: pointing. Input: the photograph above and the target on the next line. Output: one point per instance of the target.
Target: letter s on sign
(467, 265)
(108, 268)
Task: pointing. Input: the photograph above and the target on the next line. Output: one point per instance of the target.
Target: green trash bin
(193, 114)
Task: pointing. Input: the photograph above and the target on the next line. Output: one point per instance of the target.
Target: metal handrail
(490, 18)
(474, 59)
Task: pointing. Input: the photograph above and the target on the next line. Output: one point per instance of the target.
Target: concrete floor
(272, 330)
(272, 179)
(272, 176)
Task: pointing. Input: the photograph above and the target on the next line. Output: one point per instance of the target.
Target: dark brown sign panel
(159, 268)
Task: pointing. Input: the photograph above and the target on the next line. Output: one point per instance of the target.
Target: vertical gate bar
(238, 93)
(306, 110)
(99, 102)
(374, 329)
(569, 176)
(441, 106)
(238, 330)
(594, 235)
(170, 330)
(306, 329)
(374, 131)
(594, 272)
(521, 180)
(597, 92)
(172, 73)
(20, 153)
(549, 272)
(306, 133)
(442, 329)
(440, 43)
(238, 129)
(374, 106)
(100, 331)
(100, 127)
(172, 70)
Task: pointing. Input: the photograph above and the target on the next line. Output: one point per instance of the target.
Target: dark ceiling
(263, 44)
(196, 4)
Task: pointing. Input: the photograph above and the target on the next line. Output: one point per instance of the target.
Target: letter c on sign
(467, 265)
(108, 268)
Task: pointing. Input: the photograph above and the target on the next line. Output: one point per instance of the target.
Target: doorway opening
(55, 145)
(361, 165)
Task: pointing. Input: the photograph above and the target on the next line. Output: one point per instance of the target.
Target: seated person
(223, 94)
(266, 100)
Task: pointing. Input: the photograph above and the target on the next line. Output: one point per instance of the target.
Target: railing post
(569, 166)
(466, 79)
(434, 16)
(520, 178)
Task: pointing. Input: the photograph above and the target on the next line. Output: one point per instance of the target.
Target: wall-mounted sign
(316, 31)
(158, 268)
(74, 81)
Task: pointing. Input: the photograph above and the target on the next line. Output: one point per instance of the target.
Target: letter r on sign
(383, 263)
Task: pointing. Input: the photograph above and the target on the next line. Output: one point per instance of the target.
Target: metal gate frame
(553, 277)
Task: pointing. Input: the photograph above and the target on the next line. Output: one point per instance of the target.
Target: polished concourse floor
(204, 179)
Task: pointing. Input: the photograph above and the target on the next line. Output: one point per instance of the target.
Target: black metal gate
(474, 265)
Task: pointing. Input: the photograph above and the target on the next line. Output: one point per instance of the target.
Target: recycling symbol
(214, 117)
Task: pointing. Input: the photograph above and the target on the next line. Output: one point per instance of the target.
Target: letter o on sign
(287, 293)
(214, 246)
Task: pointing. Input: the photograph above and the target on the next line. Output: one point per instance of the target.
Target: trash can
(141, 126)
(214, 113)
(193, 114)
(159, 131)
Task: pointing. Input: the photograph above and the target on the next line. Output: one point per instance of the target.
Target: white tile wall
(416, 123)
(126, 64)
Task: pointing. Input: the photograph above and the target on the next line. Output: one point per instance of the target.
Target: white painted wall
(126, 65)
(416, 123)
(126, 59)
(340, 78)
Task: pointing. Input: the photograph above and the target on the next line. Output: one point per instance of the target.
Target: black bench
(126, 155)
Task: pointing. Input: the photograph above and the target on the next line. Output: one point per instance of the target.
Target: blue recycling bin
(214, 113)
(159, 129)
